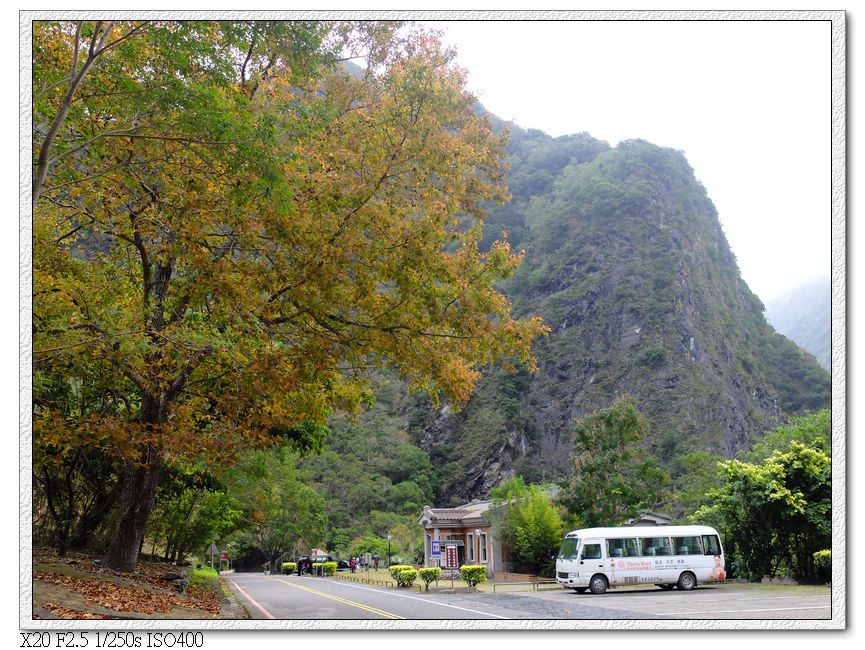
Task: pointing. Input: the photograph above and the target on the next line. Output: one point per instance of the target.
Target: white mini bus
(666, 556)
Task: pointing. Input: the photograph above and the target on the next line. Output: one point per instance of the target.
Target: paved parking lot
(719, 601)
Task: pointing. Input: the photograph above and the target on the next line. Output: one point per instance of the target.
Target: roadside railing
(535, 584)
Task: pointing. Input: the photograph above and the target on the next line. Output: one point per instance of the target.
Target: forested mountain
(626, 262)
(805, 316)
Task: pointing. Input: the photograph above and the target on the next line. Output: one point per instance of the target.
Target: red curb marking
(252, 600)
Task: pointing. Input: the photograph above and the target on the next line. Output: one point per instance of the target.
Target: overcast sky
(748, 102)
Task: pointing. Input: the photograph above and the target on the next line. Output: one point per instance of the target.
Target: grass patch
(205, 578)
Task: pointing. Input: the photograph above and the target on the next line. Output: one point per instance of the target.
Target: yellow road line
(368, 608)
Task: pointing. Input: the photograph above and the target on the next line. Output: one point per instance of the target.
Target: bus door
(591, 559)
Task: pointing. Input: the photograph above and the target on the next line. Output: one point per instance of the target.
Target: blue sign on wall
(436, 548)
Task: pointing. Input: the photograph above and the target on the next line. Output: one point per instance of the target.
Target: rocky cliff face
(627, 263)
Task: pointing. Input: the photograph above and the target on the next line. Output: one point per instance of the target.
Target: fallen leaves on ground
(204, 595)
(125, 599)
(151, 573)
(67, 612)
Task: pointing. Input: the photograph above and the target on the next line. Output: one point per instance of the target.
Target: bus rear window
(570, 549)
(711, 545)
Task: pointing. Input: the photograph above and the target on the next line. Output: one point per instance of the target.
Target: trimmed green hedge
(329, 568)
(473, 574)
(823, 565)
(289, 567)
(404, 574)
(429, 574)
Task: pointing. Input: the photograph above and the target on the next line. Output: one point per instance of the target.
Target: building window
(470, 542)
(483, 548)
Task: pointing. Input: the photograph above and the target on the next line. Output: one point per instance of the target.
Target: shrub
(396, 568)
(289, 567)
(429, 574)
(653, 358)
(823, 565)
(473, 574)
(404, 574)
(406, 577)
(329, 568)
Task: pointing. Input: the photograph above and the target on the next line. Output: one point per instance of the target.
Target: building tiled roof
(451, 513)
(474, 510)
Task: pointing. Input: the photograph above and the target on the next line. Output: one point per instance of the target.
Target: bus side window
(626, 547)
(647, 546)
(711, 545)
(591, 551)
(687, 546)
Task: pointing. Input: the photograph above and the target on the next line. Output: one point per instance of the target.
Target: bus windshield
(570, 549)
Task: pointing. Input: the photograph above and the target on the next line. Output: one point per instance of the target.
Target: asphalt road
(289, 597)
(310, 598)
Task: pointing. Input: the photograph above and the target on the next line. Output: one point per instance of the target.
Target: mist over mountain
(804, 315)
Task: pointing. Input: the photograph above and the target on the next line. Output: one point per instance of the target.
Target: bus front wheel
(598, 584)
(687, 581)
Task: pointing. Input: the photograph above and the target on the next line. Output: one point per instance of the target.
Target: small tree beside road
(528, 523)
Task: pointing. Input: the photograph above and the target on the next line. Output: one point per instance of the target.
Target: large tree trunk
(137, 499)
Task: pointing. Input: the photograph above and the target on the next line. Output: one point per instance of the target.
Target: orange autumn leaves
(245, 262)
(127, 599)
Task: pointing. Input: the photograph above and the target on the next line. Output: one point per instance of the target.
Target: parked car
(340, 564)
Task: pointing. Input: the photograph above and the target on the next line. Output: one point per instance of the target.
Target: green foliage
(289, 568)
(697, 473)
(823, 565)
(191, 508)
(811, 429)
(404, 574)
(652, 358)
(369, 544)
(339, 540)
(329, 568)
(406, 498)
(473, 574)
(205, 577)
(613, 477)
(776, 512)
(528, 524)
(281, 515)
(371, 477)
(429, 574)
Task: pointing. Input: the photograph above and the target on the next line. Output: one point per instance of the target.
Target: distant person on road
(352, 564)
